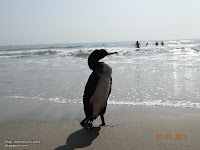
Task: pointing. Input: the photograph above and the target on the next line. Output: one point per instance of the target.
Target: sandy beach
(45, 125)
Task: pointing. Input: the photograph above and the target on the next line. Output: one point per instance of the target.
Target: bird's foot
(83, 124)
(103, 124)
(86, 126)
(89, 126)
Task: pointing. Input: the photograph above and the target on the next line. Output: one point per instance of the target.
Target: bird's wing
(90, 87)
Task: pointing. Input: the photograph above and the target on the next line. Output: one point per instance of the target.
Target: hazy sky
(64, 21)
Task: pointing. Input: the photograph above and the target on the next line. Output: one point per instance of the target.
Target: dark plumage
(97, 89)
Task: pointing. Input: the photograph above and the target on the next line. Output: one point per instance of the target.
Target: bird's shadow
(80, 139)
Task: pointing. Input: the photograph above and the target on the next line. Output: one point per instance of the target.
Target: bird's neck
(93, 64)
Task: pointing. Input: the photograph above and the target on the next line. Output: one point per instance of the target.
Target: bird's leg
(102, 119)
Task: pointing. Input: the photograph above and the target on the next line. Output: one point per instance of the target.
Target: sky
(25, 22)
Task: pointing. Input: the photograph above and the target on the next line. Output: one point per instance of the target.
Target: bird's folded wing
(90, 87)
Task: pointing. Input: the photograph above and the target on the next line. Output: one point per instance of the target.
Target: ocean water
(160, 76)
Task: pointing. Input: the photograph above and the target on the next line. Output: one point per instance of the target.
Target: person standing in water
(137, 44)
(162, 43)
(156, 43)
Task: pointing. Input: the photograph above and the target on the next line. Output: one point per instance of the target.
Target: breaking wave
(35, 47)
(80, 53)
(63, 47)
(19, 54)
(83, 50)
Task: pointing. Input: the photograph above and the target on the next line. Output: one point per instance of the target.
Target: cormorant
(97, 89)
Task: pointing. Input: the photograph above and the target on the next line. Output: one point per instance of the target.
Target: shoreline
(18, 110)
(56, 126)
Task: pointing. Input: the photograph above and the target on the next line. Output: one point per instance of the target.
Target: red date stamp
(171, 136)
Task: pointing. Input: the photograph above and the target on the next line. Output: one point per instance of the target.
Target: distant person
(147, 44)
(137, 44)
(162, 43)
(156, 43)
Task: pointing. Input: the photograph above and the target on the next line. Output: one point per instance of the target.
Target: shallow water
(151, 76)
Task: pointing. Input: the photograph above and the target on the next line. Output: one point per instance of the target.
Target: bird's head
(96, 55)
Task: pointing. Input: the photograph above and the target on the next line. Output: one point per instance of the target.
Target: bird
(97, 89)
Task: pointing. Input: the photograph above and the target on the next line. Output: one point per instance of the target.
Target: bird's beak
(113, 53)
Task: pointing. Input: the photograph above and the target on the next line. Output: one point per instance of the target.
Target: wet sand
(45, 125)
